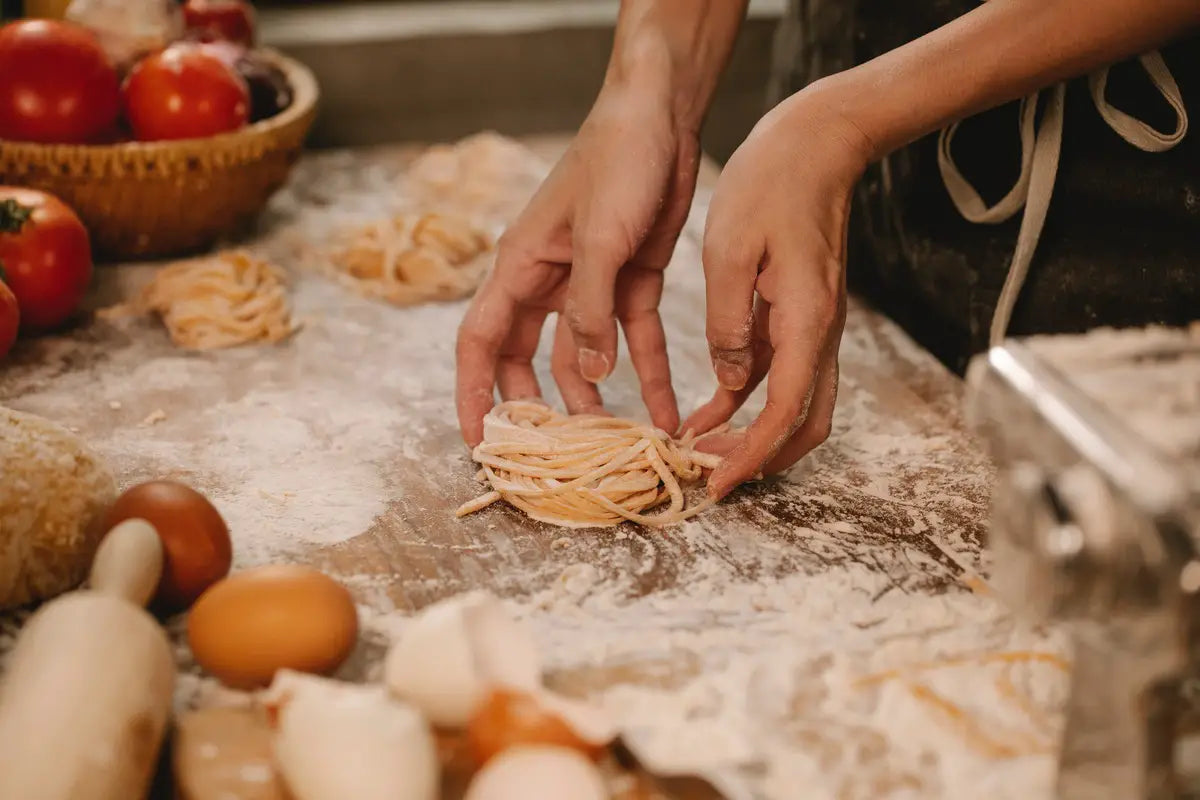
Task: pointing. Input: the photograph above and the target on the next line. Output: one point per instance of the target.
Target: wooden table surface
(339, 448)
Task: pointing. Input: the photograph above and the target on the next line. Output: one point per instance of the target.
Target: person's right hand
(592, 245)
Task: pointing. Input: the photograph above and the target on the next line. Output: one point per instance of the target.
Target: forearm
(1002, 50)
(678, 48)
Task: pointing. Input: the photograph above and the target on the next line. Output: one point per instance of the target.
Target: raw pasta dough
(585, 471)
(408, 259)
(223, 300)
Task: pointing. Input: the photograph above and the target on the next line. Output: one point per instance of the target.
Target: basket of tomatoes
(161, 125)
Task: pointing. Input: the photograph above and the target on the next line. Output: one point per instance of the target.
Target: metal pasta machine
(1096, 526)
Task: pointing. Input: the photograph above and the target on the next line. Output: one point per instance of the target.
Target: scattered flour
(831, 682)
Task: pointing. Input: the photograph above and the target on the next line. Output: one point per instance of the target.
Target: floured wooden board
(814, 636)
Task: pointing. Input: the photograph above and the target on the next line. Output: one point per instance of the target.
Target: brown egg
(196, 548)
(510, 719)
(257, 622)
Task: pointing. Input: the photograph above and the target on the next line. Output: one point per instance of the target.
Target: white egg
(451, 655)
(538, 773)
(337, 740)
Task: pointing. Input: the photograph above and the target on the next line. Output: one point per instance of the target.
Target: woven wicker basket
(155, 199)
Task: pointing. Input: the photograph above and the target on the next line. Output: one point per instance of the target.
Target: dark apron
(1121, 243)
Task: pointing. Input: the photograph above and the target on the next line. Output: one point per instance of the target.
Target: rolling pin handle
(129, 562)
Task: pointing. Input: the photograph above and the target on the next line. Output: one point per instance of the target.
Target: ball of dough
(53, 496)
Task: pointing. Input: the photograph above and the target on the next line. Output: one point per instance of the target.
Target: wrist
(886, 113)
(676, 49)
(829, 109)
(645, 64)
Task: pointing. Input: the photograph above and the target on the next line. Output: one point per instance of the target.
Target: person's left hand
(774, 263)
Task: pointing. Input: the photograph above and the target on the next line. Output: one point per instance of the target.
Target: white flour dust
(286, 467)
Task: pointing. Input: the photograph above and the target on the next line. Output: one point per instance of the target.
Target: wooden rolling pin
(89, 684)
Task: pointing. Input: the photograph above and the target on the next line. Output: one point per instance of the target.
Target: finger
(790, 383)
(580, 396)
(514, 370)
(648, 349)
(590, 299)
(480, 336)
(819, 422)
(536, 240)
(817, 426)
(726, 402)
(731, 262)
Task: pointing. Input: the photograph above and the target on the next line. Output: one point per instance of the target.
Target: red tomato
(184, 93)
(45, 254)
(56, 84)
(10, 318)
(220, 20)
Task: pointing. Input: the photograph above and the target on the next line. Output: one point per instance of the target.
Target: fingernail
(731, 376)
(593, 364)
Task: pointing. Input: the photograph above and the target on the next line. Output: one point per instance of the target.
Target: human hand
(774, 263)
(592, 245)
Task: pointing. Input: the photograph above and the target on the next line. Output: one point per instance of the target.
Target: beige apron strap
(1040, 152)
(963, 194)
(1037, 206)
(1133, 130)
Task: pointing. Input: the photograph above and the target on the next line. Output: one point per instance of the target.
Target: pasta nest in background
(223, 300)
(411, 259)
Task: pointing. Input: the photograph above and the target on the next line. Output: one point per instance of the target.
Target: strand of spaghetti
(655, 520)
(593, 472)
(530, 450)
(1007, 689)
(569, 516)
(566, 472)
(1012, 657)
(983, 743)
(621, 460)
(667, 478)
(481, 502)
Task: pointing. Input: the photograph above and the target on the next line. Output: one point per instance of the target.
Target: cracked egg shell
(451, 656)
(336, 740)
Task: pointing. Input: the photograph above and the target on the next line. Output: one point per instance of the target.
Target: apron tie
(1040, 150)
